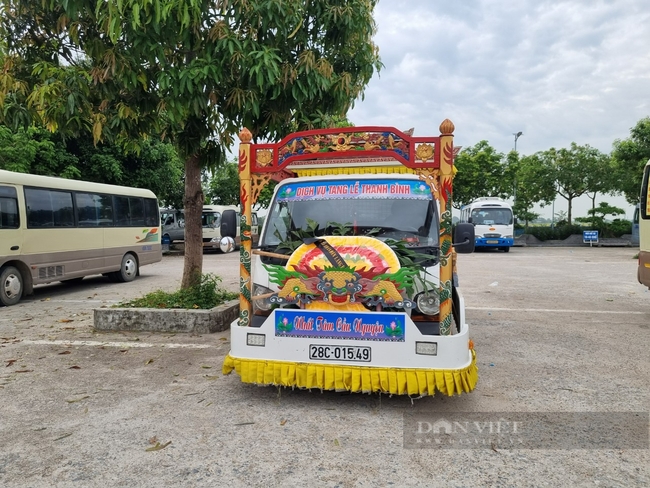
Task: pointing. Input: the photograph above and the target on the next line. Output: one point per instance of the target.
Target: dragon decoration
(344, 273)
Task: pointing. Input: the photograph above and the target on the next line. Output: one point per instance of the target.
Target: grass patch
(207, 294)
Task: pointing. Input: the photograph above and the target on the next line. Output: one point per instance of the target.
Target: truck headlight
(428, 302)
(263, 303)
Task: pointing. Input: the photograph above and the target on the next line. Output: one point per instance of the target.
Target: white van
(173, 225)
(211, 222)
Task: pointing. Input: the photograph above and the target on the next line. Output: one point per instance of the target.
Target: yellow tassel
(355, 170)
(366, 379)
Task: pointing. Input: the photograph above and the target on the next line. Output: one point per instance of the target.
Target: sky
(557, 71)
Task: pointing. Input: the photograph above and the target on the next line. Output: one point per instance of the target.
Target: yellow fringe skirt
(365, 379)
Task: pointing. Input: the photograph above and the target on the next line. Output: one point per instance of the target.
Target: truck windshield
(410, 216)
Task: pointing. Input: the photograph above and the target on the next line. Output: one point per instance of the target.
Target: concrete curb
(575, 240)
(167, 320)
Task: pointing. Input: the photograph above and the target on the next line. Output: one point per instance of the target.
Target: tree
(481, 173)
(629, 157)
(38, 151)
(534, 183)
(156, 166)
(35, 151)
(572, 168)
(195, 71)
(597, 215)
(223, 187)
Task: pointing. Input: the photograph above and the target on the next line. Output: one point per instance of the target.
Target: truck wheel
(11, 286)
(128, 270)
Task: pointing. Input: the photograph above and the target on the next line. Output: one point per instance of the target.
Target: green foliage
(559, 232)
(205, 295)
(38, 151)
(578, 170)
(223, 185)
(524, 215)
(413, 261)
(340, 229)
(534, 181)
(615, 228)
(195, 72)
(597, 215)
(629, 157)
(408, 258)
(295, 237)
(184, 68)
(480, 174)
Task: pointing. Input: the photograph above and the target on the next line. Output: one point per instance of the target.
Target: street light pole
(517, 136)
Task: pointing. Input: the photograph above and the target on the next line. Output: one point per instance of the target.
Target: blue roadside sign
(589, 236)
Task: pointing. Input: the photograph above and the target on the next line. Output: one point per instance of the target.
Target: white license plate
(492, 242)
(324, 352)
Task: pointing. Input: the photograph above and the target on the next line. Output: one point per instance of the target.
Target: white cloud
(559, 71)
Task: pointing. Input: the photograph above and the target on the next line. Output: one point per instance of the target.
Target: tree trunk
(193, 203)
(569, 200)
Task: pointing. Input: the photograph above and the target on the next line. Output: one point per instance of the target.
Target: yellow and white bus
(54, 229)
(644, 229)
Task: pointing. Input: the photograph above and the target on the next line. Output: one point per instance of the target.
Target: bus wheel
(11, 286)
(506, 249)
(129, 269)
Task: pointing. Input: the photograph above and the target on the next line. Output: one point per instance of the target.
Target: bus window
(8, 208)
(94, 210)
(48, 208)
(151, 212)
(130, 212)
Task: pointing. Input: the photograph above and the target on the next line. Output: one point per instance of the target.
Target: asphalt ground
(555, 330)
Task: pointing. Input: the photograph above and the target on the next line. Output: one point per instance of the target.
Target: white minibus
(55, 229)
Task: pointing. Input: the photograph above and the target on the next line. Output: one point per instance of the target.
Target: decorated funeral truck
(352, 285)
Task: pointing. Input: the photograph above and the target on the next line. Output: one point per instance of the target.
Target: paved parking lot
(555, 329)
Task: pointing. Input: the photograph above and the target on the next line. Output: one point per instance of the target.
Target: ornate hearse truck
(352, 286)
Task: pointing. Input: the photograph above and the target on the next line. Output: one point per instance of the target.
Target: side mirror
(464, 238)
(469, 220)
(229, 224)
(227, 244)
